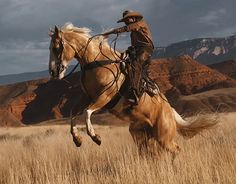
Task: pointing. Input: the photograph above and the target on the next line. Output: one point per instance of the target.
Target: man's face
(129, 20)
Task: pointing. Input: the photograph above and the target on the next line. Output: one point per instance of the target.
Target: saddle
(150, 86)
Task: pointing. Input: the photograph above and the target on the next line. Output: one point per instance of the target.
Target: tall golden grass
(47, 155)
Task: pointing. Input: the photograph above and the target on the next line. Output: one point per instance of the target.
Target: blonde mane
(69, 27)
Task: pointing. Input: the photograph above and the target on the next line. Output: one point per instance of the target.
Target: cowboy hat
(130, 13)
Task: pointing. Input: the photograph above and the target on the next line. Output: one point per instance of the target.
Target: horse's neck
(90, 51)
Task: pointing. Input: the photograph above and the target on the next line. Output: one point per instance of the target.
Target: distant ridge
(15, 78)
(204, 50)
(227, 67)
(27, 76)
(185, 76)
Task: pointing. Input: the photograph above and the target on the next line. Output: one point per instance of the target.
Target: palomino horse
(101, 80)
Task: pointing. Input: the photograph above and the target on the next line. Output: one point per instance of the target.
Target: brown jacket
(140, 34)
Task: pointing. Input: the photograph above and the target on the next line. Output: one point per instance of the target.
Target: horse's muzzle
(53, 74)
(52, 69)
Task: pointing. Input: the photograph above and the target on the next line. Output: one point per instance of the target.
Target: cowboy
(141, 41)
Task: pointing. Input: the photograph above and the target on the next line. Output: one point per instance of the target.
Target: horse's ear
(51, 32)
(56, 31)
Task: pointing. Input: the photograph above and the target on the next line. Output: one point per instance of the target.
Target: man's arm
(117, 30)
(131, 27)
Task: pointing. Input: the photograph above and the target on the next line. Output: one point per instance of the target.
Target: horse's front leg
(96, 138)
(78, 109)
(74, 130)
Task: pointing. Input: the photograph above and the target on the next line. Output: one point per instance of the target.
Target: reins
(93, 64)
(97, 65)
(71, 71)
(85, 48)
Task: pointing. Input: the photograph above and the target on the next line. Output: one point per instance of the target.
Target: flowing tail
(195, 125)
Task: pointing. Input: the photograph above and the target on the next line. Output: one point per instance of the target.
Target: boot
(152, 89)
(150, 86)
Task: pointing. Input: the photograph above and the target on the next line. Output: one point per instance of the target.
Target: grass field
(47, 155)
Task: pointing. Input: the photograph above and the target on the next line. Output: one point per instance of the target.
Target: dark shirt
(140, 34)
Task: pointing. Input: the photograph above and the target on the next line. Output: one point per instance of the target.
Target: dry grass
(46, 154)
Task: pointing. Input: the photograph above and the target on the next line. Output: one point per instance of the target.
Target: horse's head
(69, 42)
(60, 54)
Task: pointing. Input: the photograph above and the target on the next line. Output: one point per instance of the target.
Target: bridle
(58, 52)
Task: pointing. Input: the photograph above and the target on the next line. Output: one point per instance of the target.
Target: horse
(101, 81)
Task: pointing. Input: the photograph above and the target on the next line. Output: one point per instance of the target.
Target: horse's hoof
(97, 139)
(77, 141)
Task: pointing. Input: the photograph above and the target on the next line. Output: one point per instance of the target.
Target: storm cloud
(24, 24)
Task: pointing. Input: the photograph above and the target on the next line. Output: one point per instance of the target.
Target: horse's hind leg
(141, 135)
(165, 131)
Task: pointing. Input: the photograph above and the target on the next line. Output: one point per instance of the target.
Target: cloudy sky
(24, 24)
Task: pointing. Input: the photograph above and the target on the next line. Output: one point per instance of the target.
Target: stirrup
(153, 92)
(152, 89)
